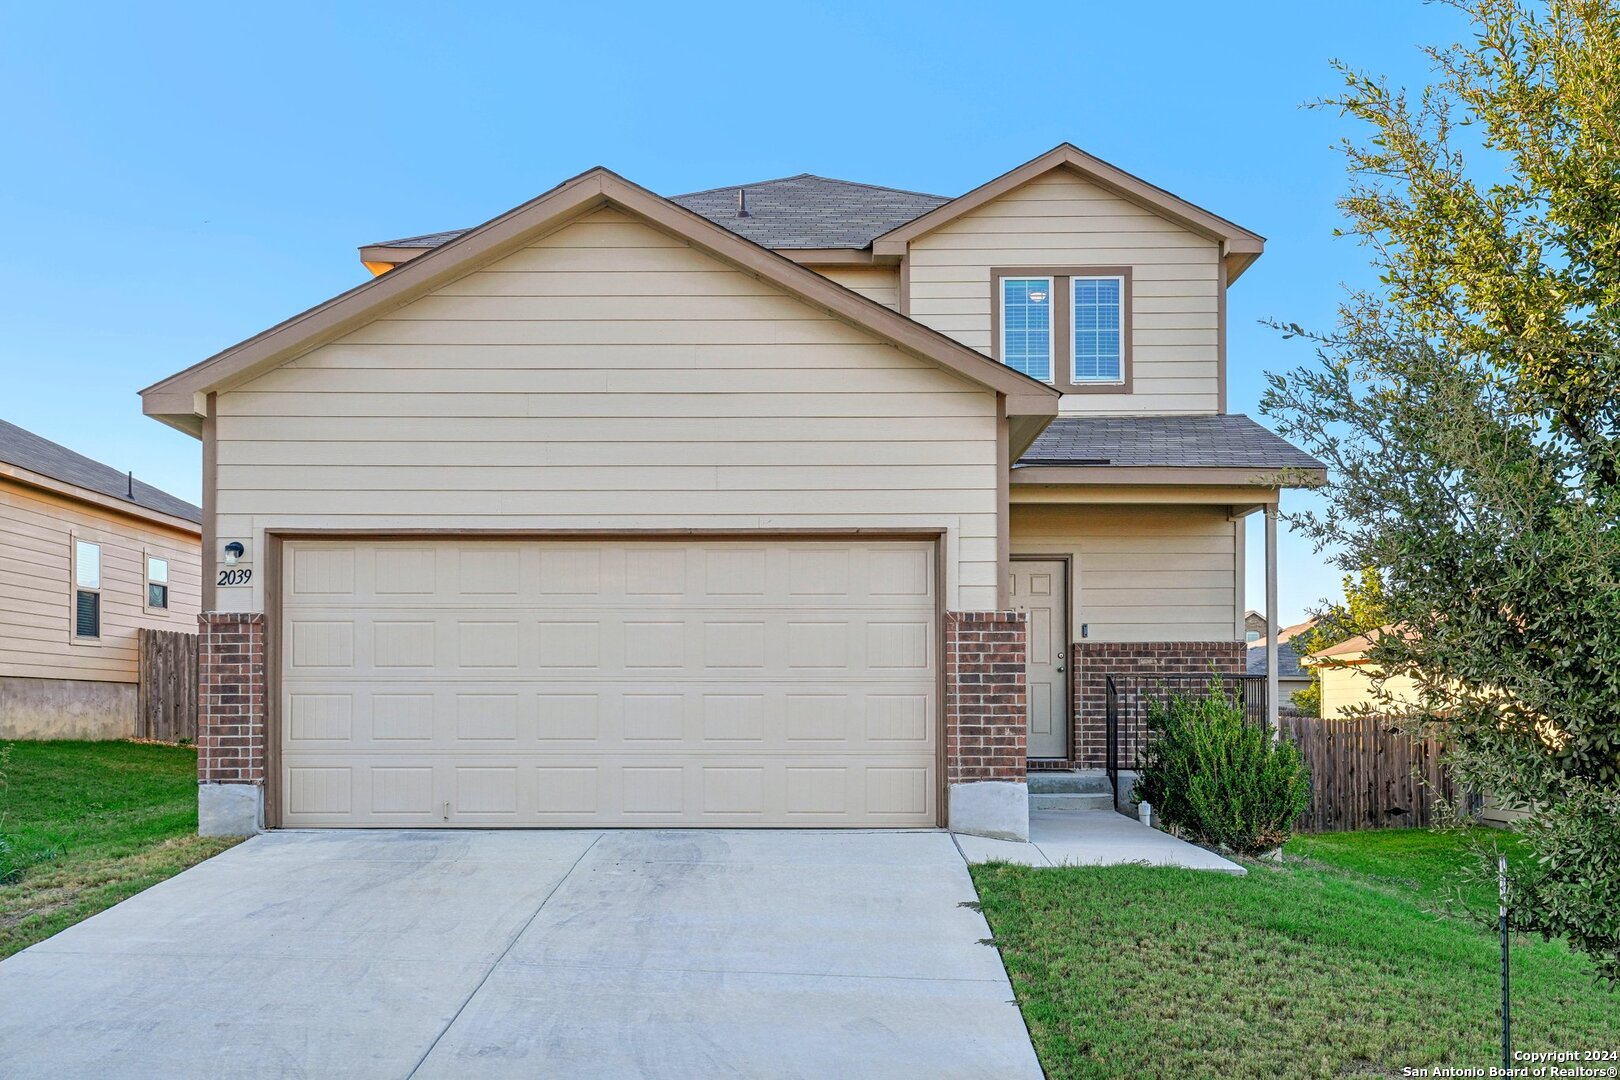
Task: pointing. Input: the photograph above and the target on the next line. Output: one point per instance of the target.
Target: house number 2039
(235, 577)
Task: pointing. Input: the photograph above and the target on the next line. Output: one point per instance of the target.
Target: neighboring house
(802, 502)
(88, 555)
(1254, 625)
(1347, 676)
(1292, 676)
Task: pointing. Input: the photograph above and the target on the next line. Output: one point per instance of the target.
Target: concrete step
(1071, 782)
(1094, 800)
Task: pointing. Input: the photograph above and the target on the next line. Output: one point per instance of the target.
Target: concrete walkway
(1093, 838)
(530, 954)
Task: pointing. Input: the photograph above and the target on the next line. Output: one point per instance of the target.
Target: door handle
(1060, 669)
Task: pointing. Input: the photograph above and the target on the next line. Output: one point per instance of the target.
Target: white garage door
(650, 683)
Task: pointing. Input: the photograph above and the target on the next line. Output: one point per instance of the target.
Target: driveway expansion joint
(533, 915)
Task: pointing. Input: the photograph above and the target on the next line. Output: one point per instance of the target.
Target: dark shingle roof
(28, 451)
(1217, 442)
(801, 211)
(1287, 661)
(426, 240)
(808, 211)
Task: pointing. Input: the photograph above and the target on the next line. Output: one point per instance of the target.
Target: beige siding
(1062, 220)
(1351, 687)
(609, 377)
(880, 283)
(1144, 573)
(36, 601)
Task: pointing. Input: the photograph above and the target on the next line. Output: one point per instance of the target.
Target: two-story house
(801, 502)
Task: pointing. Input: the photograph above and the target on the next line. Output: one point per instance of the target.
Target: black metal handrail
(1111, 717)
(1127, 699)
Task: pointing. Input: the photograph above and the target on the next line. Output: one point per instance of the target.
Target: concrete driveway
(530, 954)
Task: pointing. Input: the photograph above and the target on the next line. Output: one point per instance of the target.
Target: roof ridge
(878, 187)
(810, 176)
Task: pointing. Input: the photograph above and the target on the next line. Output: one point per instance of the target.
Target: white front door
(1041, 588)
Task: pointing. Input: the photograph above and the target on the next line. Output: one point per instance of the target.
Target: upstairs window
(1099, 331)
(157, 583)
(86, 590)
(1066, 326)
(1026, 325)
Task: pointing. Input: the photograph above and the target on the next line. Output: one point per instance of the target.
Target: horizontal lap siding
(1351, 687)
(880, 283)
(610, 377)
(36, 601)
(1062, 220)
(1146, 573)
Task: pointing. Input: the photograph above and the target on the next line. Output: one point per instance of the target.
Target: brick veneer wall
(986, 729)
(230, 698)
(1094, 661)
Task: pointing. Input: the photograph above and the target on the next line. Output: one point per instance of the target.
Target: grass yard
(87, 824)
(1336, 962)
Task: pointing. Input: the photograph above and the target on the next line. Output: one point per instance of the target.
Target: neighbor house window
(1099, 334)
(1068, 326)
(86, 590)
(157, 583)
(1026, 325)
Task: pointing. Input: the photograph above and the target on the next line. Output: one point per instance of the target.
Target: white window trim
(1051, 321)
(74, 638)
(1074, 355)
(146, 582)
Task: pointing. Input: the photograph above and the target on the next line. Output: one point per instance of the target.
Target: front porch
(1124, 563)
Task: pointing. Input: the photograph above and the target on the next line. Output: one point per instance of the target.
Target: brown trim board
(1241, 246)
(1257, 480)
(517, 227)
(210, 505)
(1003, 502)
(272, 680)
(274, 539)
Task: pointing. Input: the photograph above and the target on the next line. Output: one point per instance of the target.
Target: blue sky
(180, 177)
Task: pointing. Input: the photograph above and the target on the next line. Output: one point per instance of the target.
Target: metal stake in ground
(1502, 928)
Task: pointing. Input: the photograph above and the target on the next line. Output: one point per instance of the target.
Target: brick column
(1094, 661)
(986, 723)
(231, 711)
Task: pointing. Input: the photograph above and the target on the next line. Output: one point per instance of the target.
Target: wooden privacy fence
(1365, 773)
(168, 705)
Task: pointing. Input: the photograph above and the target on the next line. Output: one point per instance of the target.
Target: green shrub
(1221, 781)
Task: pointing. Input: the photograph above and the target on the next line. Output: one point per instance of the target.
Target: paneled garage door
(651, 683)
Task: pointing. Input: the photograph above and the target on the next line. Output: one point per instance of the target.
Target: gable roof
(1288, 660)
(1239, 246)
(804, 212)
(177, 400)
(1353, 648)
(25, 450)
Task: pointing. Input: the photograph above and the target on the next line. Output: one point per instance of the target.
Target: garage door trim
(273, 585)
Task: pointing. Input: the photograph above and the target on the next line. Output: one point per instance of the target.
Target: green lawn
(87, 824)
(1338, 961)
